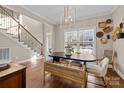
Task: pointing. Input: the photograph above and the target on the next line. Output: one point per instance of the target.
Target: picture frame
(102, 24)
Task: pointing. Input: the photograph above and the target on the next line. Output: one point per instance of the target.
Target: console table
(13, 77)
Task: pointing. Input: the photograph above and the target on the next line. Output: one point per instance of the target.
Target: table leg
(56, 59)
(85, 73)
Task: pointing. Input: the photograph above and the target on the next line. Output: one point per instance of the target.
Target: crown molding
(26, 11)
(114, 9)
(104, 14)
(21, 9)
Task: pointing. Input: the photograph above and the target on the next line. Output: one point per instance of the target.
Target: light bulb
(69, 16)
(71, 19)
(66, 20)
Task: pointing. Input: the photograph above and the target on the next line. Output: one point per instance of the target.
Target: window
(81, 40)
(48, 41)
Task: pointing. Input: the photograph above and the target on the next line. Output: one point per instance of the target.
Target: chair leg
(113, 67)
(85, 82)
(96, 84)
(100, 84)
(85, 75)
(43, 78)
(104, 82)
(82, 86)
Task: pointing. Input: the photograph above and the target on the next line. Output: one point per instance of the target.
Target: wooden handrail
(22, 26)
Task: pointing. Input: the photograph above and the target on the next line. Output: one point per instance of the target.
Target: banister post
(19, 32)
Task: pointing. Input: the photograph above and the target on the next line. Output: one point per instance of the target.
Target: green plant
(69, 47)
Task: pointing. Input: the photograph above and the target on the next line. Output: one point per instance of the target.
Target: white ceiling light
(69, 17)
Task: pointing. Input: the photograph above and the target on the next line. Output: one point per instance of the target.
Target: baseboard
(39, 57)
(23, 61)
(119, 73)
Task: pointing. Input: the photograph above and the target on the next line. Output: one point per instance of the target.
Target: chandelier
(69, 17)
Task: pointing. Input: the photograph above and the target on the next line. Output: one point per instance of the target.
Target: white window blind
(4, 55)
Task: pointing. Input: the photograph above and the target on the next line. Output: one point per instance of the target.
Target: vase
(68, 51)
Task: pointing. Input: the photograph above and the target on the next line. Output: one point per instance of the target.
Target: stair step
(25, 45)
(21, 42)
(10, 33)
(31, 48)
(15, 37)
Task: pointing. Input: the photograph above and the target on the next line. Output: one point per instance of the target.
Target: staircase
(10, 26)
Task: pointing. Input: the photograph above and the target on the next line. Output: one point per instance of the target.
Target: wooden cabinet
(13, 77)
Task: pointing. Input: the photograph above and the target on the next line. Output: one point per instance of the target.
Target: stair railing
(17, 30)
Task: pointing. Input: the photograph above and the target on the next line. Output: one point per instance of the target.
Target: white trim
(26, 11)
(119, 73)
(90, 17)
(79, 28)
(23, 61)
(115, 8)
(41, 56)
(5, 61)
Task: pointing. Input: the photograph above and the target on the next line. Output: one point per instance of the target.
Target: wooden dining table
(78, 57)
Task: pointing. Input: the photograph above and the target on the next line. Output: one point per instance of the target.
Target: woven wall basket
(99, 34)
(104, 40)
(108, 29)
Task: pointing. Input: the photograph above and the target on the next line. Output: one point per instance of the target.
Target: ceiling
(54, 12)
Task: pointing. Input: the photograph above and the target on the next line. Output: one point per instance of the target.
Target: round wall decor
(121, 25)
(108, 21)
(107, 29)
(99, 34)
(104, 40)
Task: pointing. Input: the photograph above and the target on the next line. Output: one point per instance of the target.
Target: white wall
(18, 52)
(118, 15)
(59, 39)
(49, 29)
(88, 23)
(33, 26)
(119, 58)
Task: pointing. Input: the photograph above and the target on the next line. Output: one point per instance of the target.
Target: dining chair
(99, 70)
(110, 54)
(76, 64)
(67, 72)
(64, 62)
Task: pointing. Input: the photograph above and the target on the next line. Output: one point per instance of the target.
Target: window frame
(80, 42)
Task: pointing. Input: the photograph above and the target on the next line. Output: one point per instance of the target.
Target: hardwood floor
(34, 78)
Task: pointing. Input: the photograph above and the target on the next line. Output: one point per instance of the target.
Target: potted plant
(69, 49)
(50, 50)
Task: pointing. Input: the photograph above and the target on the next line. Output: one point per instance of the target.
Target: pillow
(104, 62)
(109, 57)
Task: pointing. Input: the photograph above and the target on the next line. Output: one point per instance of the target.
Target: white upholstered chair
(100, 69)
(111, 55)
